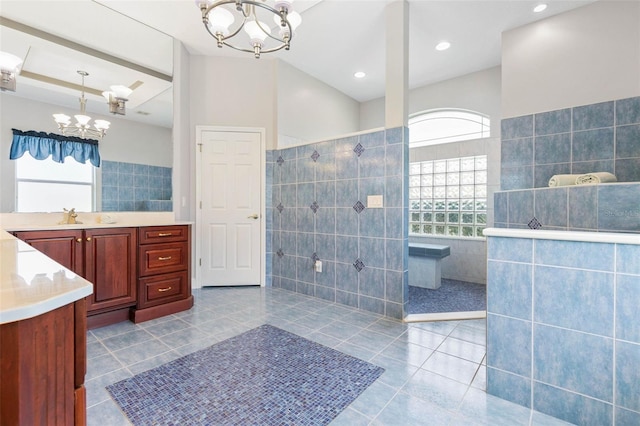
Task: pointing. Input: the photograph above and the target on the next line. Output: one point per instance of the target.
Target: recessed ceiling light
(360, 74)
(443, 45)
(539, 8)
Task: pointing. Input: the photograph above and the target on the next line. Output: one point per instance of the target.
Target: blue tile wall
(135, 187)
(571, 407)
(509, 386)
(603, 207)
(319, 210)
(588, 138)
(581, 139)
(512, 355)
(559, 362)
(562, 328)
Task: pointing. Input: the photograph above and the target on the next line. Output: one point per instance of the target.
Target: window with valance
(41, 145)
(50, 186)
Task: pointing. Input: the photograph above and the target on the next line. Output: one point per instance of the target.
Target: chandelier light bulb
(62, 119)
(102, 125)
(220, 19)
(283, 5)
(83, 120)
(294, 19)
(257, 31)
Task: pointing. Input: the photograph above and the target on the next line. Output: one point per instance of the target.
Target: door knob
(253, 216)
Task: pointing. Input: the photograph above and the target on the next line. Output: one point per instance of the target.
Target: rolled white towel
(563, 180)
(596, 177)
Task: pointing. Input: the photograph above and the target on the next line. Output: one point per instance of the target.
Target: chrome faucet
(70, 217)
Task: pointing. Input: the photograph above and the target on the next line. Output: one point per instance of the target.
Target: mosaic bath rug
(265, 376)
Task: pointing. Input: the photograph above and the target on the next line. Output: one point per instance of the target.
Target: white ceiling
(336, 38)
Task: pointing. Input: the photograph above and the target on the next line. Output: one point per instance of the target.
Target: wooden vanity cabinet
(43, 364)
(104, 256)
(164, 271)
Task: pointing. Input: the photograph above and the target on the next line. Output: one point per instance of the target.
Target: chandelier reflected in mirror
(225, 20)
(82, 128)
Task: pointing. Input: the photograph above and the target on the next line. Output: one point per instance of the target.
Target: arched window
(447, 125)
(448, 197)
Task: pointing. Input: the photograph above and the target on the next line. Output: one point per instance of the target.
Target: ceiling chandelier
(81, 128)
(219, 19)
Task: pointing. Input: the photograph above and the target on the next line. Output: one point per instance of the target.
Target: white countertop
(50, 221)
(540, 234)
(32, 284)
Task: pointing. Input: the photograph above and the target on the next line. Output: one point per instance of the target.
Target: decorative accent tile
(280, 160)
(314, 206)
(359, 265)
(315, 156)
(263, 376)
(280, 207)
(534, 224)
(358, 207)
(280, 253)
(359, 149)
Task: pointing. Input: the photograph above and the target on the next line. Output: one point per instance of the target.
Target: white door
(230, 216)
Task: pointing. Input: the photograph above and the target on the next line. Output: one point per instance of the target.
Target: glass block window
(448, 197)
(447, 125)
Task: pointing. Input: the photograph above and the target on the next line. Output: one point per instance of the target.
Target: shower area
(451, 190)
(343, 202)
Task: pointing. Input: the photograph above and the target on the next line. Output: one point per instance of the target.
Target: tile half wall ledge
(595, 237)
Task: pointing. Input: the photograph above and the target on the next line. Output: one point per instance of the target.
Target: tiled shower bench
(424, 264)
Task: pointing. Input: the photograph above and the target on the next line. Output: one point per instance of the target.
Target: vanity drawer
(160, 289)
(163, 258)
(163, 234)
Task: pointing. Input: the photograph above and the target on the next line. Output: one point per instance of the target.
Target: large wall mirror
(55, 40)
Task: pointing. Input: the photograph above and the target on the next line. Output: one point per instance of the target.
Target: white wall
(583, 56)
(479, 91)
(234, 92)
(183, 145)
(126, 141)
(310, 110)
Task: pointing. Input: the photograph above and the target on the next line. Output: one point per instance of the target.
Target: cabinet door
(64, 246)
(110, 264)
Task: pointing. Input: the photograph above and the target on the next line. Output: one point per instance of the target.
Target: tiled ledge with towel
(582, 179)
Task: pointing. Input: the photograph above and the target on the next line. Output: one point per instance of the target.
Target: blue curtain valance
(40, 145)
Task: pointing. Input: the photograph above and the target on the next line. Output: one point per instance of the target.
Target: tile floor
(435, 371)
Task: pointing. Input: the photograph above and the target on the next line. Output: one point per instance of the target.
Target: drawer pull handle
(164, 234)
(164, 289)
(88, 238)
(165, 258)
(79, 240)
